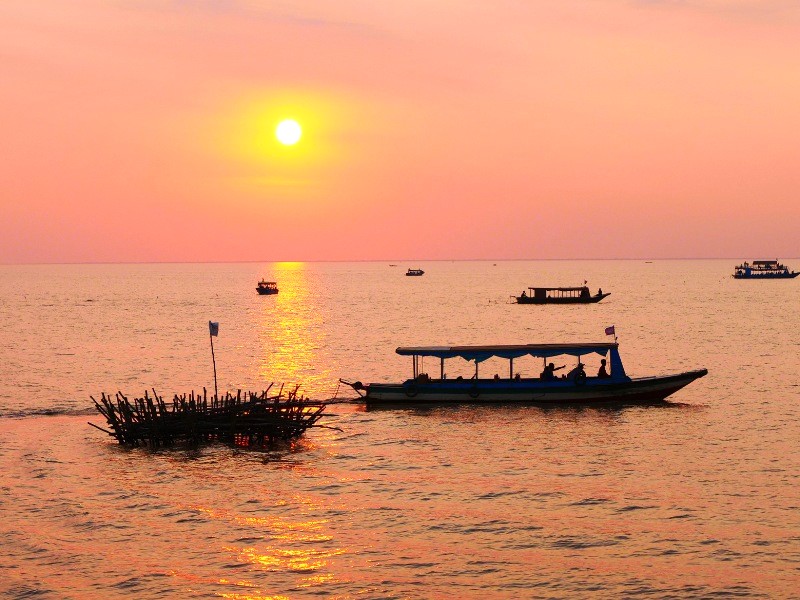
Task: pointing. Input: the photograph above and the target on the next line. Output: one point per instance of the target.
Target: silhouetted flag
(213, 328)
(610, 331)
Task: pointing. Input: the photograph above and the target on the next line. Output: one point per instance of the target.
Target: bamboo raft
(246, 419)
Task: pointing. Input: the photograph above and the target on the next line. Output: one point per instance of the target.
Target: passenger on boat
(549, 373)
(599, 291)
(601, 372)
(517, 377)
(574, 372)
(496, 377)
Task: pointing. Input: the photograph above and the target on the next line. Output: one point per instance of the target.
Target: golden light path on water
(291, 332)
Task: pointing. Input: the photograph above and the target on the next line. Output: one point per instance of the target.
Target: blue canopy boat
(763, 269)
(576, 388)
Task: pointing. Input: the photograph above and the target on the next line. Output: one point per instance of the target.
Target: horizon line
(370, 260)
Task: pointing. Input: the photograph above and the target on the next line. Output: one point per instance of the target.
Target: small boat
(548, 388)
(266, 288)
(560, 295)
(414, 272)
(763, 269)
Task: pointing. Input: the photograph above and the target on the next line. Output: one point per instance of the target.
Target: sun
(288, 132)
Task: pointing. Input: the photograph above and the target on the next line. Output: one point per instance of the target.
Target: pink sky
(142, 131)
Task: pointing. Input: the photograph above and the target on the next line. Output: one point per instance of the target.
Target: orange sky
(143, 131)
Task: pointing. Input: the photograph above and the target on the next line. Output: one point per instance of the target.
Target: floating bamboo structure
(247, 419)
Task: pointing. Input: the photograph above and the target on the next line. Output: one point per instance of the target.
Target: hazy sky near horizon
(143, 131)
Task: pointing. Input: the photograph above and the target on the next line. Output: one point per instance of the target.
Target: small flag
(213, 328)
(610, 331)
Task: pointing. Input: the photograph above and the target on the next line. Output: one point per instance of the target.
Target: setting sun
(288, 132)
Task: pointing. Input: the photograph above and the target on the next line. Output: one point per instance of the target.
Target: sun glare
(288, 132)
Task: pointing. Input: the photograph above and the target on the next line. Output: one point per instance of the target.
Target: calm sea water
(698, 498)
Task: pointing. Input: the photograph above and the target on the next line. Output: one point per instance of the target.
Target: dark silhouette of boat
(763, 269)
(560, 295)
(577, 387)
(415, 273)
(267, 288)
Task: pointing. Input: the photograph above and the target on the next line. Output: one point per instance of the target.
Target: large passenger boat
(560, 295)
(763, 269)
(577, 387)
(415, 272)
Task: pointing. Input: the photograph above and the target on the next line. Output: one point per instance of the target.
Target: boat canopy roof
(481, 353)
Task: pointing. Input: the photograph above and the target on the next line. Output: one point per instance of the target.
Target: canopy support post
(476, 369)
(442, 372)
(511, 368)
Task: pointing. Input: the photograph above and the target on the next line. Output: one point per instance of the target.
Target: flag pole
(213, 359)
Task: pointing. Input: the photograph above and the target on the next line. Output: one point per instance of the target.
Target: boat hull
(766, 275)
(266, 292)
(576, 300)
(531, 391)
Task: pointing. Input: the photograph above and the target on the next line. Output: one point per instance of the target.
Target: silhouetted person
(601, 372)
(549, 373)
(574, 372)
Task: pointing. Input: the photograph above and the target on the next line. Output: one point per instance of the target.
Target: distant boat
(266, 288)
(414, 272)
(575, 388)
(392, 265)
(565, 295)
(763, 269)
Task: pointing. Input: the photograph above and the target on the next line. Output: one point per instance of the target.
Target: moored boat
(763, 269)
(415, 272)
(266, 288)
(560, 295)
(575, 388)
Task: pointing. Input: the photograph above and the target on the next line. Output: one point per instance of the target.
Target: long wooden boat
(763, 269)
(577, 388)
(415, 272)
(560, 295)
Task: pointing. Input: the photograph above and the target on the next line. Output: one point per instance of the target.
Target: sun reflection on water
(282, 559)
(292, 332)
(298, 546)
(234, 596)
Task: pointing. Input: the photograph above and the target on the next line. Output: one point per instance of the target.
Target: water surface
(697, 498)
